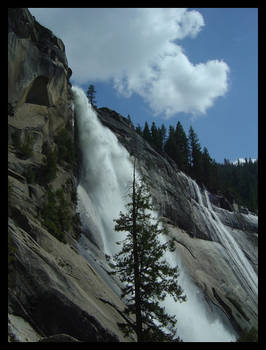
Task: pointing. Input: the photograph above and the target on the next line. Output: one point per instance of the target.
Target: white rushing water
(106, 174)
(244, 272)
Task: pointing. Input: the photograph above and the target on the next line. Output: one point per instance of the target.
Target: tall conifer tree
(170, 144)
(195, 155)
(140, 266)
(155, 136)
(147, 133)
(182, 156)
(91, 95)
(162, 133)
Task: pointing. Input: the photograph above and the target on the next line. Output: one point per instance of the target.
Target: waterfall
(106, 174)
(242, 268)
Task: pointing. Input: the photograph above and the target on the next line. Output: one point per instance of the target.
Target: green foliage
(181, 148)
(55, 214)
(196, 170)
(91, 95)
(155, 136)
(147, 133)
(237, 183)
(240, 182)
(248, 335)
(162, 137)
(138, 130)
(146, 276)
(170, 144)
(129, 121)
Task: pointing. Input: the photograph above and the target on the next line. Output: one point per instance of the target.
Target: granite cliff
(52, 289)
(58, 286)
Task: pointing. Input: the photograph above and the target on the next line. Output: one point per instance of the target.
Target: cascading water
(105, 174)
(105, 177)
(242, 268)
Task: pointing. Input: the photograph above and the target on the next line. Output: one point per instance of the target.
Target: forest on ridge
(237, 182)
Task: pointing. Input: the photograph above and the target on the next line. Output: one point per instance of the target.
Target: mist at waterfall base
(102, 193)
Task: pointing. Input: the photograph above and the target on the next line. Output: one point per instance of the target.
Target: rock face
(56, 294)
(37, 65)
(52, 289)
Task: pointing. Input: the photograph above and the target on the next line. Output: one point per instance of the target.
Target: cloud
(139, 50)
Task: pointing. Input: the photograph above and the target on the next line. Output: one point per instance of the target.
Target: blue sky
(199, 66)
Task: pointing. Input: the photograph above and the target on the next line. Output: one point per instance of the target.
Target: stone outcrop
(37, 64)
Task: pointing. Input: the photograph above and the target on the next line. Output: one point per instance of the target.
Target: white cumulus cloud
(140, 51)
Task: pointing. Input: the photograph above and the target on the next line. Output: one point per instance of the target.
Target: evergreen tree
(91, 95)
(139, 130)
(146, 277)
(170, 144)
(130, 121)
(239, 182)
(195, 155)
(206, 167)
(155, 136)
(147, 133)
(182, 150)
(162, 136)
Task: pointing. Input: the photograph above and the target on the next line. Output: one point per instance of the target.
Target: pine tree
(162, 133)
(147, 133)
(170, 144)
(195, 155)
(155, 136)
(182, 150)
(91, 95)
(130, 121)
(146, 277)
(206, 167)
(139, 130)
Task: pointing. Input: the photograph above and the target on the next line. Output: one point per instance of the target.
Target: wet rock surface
(57, 293)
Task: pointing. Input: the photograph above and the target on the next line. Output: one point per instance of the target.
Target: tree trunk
(136, 262)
